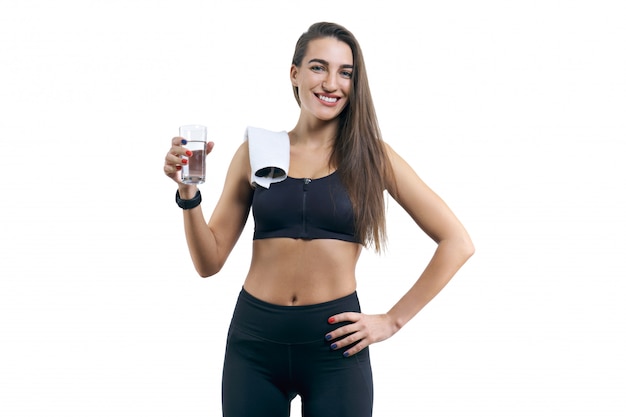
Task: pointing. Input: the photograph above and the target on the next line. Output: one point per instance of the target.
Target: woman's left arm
(454, 248)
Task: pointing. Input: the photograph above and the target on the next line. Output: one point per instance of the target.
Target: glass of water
(194, 172)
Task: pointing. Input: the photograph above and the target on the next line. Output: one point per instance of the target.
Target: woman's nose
(330, 83)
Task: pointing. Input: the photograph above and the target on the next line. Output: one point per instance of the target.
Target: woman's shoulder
(400, 173)
(395, 160)
(239, 167)
(391, 153)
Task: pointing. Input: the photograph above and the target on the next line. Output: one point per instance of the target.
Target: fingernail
(331, 320)
(188, 153)
(184, 141)
(184, 161)
(333, 346)
(178, 167)
(346, 354)
(328, 337)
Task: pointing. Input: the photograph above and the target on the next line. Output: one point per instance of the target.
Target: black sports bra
(304, 208)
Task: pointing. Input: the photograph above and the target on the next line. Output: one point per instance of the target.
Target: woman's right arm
(211, 243)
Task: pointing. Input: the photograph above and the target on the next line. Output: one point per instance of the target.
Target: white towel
(269, 155)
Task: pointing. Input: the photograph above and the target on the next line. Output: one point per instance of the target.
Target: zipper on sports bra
(305, 187)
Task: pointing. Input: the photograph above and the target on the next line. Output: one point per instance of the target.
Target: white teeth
(328, 99)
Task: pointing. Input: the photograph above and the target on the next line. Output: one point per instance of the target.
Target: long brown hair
(358, 151)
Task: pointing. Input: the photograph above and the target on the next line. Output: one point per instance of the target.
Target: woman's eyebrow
(324, 62)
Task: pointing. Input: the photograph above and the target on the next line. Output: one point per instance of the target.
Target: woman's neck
(314, 133)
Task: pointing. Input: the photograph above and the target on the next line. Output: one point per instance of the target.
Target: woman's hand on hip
(362, 328)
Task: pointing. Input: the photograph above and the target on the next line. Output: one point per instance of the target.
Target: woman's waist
(289, 324)
(299, 287)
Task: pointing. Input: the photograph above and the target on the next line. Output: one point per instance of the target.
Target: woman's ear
(293, 75)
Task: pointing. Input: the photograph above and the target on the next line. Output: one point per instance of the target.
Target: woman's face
(324, 78)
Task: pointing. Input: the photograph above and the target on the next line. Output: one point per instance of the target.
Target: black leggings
(274, 353)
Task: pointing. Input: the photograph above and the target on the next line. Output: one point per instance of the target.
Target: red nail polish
(188, 153)
(331, 320)
(184, 161)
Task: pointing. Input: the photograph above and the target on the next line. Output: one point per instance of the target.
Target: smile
(327, 99)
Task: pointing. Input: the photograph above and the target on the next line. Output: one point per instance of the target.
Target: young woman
(297, 328)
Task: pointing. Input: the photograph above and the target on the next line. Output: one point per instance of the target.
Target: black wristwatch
(188, 204)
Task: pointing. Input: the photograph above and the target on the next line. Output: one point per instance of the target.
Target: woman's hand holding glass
(177, 157)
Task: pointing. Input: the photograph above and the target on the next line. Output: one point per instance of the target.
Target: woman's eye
(346, 74)
(317, 68)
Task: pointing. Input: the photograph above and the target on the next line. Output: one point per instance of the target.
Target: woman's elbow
(467, 248)
(461, 245)
(206, 271)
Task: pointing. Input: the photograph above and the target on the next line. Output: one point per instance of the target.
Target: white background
(513, 111)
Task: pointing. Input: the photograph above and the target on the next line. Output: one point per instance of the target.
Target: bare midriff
(293, 272)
